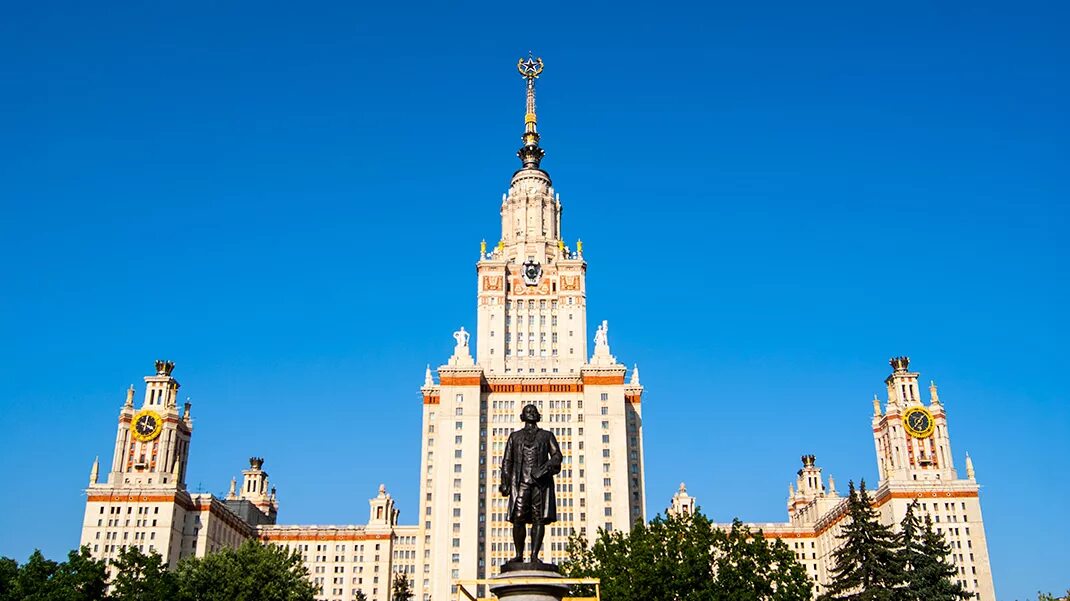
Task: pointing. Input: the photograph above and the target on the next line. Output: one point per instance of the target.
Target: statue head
(530, 414)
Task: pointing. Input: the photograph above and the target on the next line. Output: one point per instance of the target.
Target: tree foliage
(140, 577)
(401, 591)
(253, 572)
(874, 564)
(80, 578)
(867, 566)
(923, 551)
(686, 558)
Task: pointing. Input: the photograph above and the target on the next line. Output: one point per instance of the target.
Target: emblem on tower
(530, 153)
(532, 273)
(531, 68)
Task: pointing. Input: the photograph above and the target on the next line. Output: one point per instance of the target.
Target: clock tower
(530, 348)
(911, 437)
(152, 441)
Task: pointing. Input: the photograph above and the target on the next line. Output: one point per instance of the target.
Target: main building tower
(531, 347)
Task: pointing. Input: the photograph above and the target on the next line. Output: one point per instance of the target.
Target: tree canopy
(401, 590)
(252, 572)
(867, 565)
(687, 558)
(875, 564)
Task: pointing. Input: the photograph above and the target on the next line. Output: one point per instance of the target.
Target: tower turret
(152, 442)
(911, 438)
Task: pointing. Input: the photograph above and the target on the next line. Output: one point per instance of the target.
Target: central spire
(530, 153)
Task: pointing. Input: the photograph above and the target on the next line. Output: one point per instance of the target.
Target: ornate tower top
(530, 154)
(900, 363)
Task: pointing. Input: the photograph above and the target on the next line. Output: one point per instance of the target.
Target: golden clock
(146, 425)
(919, 422)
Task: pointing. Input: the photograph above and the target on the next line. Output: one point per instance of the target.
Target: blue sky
(774, 198)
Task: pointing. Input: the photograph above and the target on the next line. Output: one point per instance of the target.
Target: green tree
(9, 572)
(34, 580)
(749, 567)
(140, 577)
(687, 558)
(360, 596)
(252, 572)
(923, 553)
(867, 565)
(80, 578)
(401, 591)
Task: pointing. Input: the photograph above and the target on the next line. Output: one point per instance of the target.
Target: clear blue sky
(287, 200)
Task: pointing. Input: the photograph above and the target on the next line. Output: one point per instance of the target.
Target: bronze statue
(532, 458)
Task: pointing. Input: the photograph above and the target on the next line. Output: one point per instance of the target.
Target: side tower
(530, 347)
(915, 462)
(143, 501)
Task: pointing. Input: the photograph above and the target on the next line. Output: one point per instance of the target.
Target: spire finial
(95, 471)
(970, 473)
(530, 153)
(876, 406)
(428, 380)
(934, 397)
(130, 396)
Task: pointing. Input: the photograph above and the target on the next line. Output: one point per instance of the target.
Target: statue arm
(507, 468)
(553, 466)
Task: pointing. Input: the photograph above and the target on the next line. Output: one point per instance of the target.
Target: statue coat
(548, 454)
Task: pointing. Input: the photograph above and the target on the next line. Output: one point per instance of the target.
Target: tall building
(143, 502)
(531, 347)
(914, 463)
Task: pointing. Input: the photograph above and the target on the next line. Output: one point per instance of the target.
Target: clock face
(146, 425)
(918, 422)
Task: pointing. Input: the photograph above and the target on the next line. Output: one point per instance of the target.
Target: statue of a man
(461, 337)
(601, 334)
(532, 458)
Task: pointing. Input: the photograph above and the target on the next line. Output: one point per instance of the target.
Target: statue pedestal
(528, 582)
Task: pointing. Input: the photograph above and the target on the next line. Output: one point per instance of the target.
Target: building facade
(531, 347)
(143, 502)
(914, 463)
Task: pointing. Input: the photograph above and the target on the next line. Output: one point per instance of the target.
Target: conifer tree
(401, 591)
(867, 566)
(930, 576)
